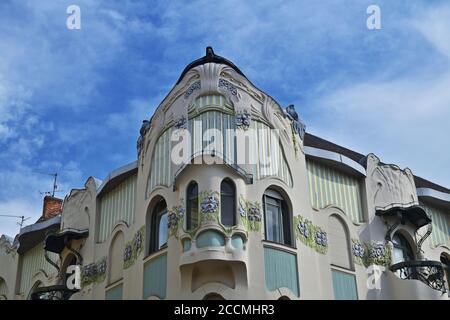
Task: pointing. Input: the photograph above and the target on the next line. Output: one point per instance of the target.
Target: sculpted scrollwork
(390, 185)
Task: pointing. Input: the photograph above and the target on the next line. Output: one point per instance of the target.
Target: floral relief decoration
(175, 218)
(209, 206)
(94, 272)
(311, 235)
(133, 248)
(364, 254)
(242, 120)
(250, 213)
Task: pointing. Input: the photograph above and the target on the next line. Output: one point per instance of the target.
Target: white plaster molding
(390, 185)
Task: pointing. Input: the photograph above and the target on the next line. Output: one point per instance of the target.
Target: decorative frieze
(181, 123)
(250, 213)
(209, 206)
(195, 86)
(94, 272)
(175, 219)
(226, 85)
(311, 235)
(133, 248)
(378, 253)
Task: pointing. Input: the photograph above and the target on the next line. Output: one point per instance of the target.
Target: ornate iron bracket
(421, 240)
(50, 261)
(392, 228)
(75, 252)
(429, 272)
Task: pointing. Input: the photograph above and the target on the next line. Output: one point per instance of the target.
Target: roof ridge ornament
(298, 125)
(209, 52)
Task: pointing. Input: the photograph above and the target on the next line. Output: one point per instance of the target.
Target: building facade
(231, 198)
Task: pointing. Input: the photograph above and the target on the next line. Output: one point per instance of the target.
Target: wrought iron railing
(432, 273)
(56, 292)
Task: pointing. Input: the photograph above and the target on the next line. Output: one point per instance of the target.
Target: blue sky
(72, 101)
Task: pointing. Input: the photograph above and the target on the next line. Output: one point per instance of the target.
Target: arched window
(227, 203)
(402, 249)
(159, 228)
(344, 281)
(192, 206)
(277, 220)
(116, 258)
(339, 243)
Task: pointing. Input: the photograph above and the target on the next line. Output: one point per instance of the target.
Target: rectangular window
(114, 293)
(273, 220)
(344, 285)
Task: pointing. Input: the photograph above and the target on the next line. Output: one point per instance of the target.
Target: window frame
(190, 204)
(286, 221)
(403, 245)
(158, 211)
(231, 195)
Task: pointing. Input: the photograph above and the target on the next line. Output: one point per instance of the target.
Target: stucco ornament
(390, 185)
(242, 120)
(380, 254)
(303, 229)
(175, 219)
(377, 253)
(181, 123)
(321, 238)
(134, 248)
(311, 235)
(297, 124)
(226, 85)
(195, 86)
(8, 245)
(360, 252)
(209, 206)
(250, 213)
(127, 253)
(143, 131)
(94, 272)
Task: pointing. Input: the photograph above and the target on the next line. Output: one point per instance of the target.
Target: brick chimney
(52, 207)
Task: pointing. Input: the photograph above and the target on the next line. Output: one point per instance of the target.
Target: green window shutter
(344, 286)
(155, 277)
(115, 293)
(281, 270)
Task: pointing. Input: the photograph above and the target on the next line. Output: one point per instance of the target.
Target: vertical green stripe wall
(281, 270)
(441, 224)
(329, 186)
(344, 286)
(32, 262)
(213, 112)
(155, 277)
(116, 205)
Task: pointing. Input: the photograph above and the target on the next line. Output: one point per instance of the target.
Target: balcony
(432, 273)
(56, 292)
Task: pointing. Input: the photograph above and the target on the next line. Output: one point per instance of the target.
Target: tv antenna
(22, 218)
(55, 186)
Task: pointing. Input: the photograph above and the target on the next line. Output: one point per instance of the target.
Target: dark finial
(209, 52)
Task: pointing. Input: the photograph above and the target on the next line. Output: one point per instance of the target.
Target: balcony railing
(56, 292)
(432, 273)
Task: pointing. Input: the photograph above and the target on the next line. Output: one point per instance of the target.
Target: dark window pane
(192, 206)
(163, 230)
(227, 203)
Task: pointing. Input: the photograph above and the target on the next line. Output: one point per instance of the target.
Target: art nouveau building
(256, 209)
